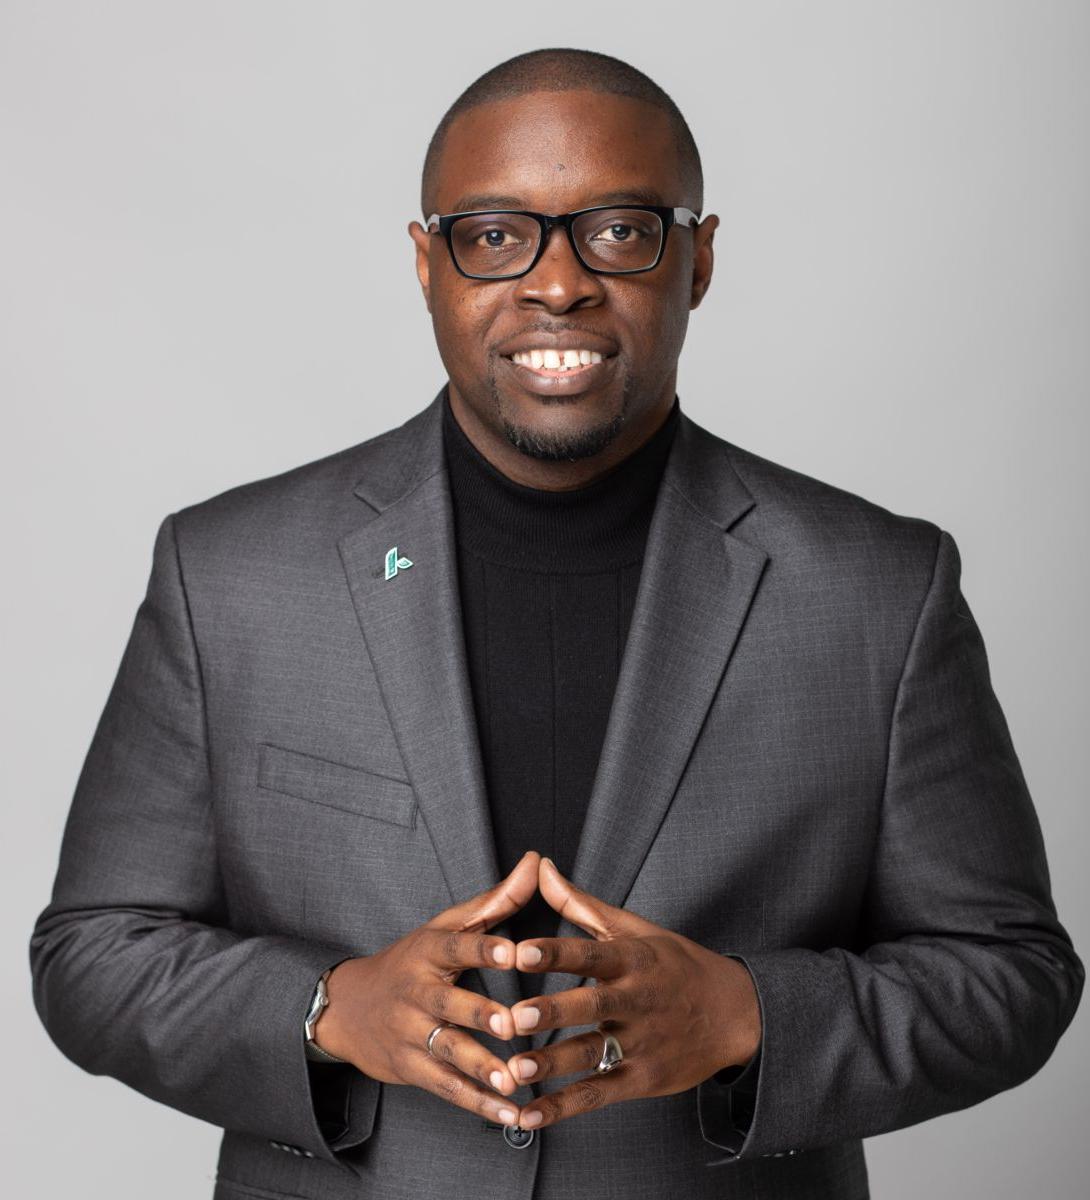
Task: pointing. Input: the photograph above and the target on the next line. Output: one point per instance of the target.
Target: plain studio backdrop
(206, 279)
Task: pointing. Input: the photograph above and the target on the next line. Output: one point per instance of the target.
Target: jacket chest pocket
(350, 789)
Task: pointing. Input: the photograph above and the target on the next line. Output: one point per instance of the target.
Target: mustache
(551, 329)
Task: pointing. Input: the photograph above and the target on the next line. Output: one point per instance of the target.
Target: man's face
(556, 152)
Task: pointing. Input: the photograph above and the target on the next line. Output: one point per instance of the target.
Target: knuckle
(448, 947)
(646, 997)
(590, 952)
(605, 1002)
(588, 1094)
(450, 1087)
(643, 956)
(550, 1012)
(551, 1107)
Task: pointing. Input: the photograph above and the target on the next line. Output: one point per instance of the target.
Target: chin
(552, 445)
(560, 429)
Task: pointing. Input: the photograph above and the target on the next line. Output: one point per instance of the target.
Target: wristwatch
(317, 1003)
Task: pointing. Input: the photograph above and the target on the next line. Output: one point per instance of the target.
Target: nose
(559, 281)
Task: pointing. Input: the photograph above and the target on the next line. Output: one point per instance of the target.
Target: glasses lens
(618, 239)
(494, 243)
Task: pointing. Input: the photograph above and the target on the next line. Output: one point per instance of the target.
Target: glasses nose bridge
(560, 221)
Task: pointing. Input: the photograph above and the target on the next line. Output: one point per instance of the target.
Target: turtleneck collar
(598, 527)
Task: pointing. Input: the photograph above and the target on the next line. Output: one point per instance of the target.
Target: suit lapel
(412, 625)
(695, 590)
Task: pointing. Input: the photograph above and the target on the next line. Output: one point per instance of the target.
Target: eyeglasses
(608, 240)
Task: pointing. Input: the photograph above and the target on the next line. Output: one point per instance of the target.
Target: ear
(703, 258)
(423, 258)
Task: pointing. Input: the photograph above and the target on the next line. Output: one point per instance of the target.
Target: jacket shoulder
(312, 496)
(799, 514)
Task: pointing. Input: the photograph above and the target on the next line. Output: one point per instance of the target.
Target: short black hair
(561, 70)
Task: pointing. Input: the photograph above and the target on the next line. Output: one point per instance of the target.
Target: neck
(598, 527)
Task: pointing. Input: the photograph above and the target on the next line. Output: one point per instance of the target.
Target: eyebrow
(479, 201)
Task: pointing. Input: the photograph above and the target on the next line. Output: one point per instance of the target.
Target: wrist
(742, 1022)
(319, 1004)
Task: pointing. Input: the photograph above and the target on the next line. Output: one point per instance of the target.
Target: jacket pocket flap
(336, 785)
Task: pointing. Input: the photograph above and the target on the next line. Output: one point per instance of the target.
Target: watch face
(317, 1002)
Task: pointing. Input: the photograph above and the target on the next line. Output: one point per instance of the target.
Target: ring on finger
(434, 1032)
(612, 1055)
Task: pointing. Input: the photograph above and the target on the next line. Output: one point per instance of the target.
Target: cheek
(461, 317)
(656, 318)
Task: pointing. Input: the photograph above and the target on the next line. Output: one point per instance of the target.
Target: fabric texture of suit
(805, 766)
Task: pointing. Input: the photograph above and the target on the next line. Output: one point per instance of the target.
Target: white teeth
(556, 360)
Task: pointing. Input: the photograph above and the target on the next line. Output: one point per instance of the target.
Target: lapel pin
(395, 564)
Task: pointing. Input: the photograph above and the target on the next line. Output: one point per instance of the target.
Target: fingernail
(530, 1119)
(552, 864)
(527, 1068)
(496, 1079)
(527, 1018)
(495, 1022)
(507, 1115)
(531, 955)
(501, 954)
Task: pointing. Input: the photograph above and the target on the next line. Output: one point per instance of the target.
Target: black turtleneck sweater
(548, 583)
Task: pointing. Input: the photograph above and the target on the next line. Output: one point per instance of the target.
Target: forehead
(557, 151)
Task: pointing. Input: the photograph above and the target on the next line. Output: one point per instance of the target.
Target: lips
(551, 359)
(553, 381)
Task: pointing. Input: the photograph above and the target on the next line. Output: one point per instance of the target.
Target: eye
(494, 238)
(622, 232)
(617, 233)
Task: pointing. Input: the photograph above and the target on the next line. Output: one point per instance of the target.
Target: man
(547, 797)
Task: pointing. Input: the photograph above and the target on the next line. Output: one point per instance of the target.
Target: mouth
(560, 372)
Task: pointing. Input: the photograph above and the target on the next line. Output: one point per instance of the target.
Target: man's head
(556, 131)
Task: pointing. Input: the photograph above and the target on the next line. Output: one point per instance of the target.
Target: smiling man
(548, 797)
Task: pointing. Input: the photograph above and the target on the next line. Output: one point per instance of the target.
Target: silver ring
(431, 1036)
(612, 1055)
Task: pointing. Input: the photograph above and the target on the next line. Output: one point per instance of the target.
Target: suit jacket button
(517, 1138)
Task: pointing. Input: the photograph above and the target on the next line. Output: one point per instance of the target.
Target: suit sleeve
(136, 973)
(964, 979)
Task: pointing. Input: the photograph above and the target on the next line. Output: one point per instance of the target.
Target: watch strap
(318, 1002)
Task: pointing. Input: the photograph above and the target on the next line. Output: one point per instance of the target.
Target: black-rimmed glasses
(608, 240)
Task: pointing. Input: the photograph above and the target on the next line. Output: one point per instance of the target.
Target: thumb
(604, 920)
(496, 903)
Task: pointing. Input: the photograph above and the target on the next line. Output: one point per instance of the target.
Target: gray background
(206, 279)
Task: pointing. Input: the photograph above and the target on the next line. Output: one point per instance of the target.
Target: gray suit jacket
(805, 766)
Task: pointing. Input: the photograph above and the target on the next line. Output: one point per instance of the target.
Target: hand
(383, 1006)
(680, 1011)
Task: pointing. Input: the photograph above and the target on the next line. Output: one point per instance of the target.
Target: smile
(559, 373)
(556, 360)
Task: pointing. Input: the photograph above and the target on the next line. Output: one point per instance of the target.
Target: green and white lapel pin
(395, 564)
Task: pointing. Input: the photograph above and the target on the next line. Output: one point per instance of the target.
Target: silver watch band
(318, 1002)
